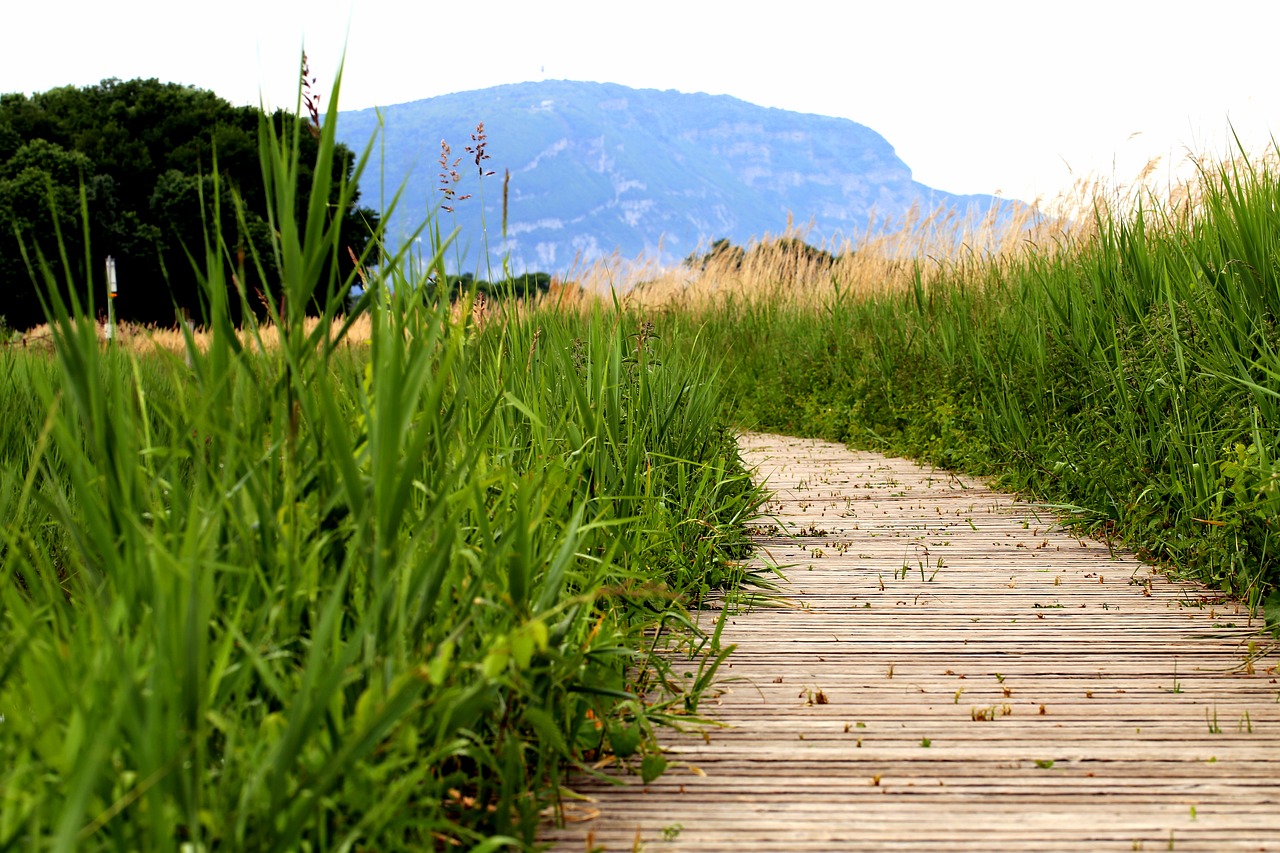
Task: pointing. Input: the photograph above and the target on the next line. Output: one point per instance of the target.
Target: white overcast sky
(975, 96)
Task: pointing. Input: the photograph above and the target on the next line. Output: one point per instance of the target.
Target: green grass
(293, 591)
(1129, 376)
(327, 595)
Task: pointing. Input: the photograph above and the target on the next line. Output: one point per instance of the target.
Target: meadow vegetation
(383, 577)
(1122, 366)
(294, 588)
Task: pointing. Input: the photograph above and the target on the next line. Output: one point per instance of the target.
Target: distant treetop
(145, 153)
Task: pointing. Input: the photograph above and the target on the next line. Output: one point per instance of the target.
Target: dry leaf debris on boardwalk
(954, 671)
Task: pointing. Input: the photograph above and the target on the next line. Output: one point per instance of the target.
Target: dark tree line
(726, 255)
(144, 152)
(518, 286)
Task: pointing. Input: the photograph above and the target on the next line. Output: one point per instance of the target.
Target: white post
(111, 297)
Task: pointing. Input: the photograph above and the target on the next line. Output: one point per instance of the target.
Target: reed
(1123, 369)
(790, 267)
(373, 580)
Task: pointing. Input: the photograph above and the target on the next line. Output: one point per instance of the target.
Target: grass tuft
(377, 578)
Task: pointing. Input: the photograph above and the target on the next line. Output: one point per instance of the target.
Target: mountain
(598, 168)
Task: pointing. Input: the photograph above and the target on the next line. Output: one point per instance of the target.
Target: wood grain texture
(952, 671)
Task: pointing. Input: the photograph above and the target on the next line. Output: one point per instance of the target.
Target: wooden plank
(947, 669)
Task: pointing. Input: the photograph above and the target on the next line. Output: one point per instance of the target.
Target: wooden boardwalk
(953, 673)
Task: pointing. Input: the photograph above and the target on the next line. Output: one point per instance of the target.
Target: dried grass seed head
(310, 97)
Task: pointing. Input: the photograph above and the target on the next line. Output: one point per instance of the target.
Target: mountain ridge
(599, 168)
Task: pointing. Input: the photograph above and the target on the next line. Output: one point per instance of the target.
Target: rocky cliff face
(598, 168)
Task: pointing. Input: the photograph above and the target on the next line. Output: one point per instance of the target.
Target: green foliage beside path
(322, 594)
(1131, 376)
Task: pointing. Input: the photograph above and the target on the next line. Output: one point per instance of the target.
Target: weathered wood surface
(1070, 698)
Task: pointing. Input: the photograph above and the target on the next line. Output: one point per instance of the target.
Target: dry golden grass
(932, 246)
(147, 338)
(784, 267)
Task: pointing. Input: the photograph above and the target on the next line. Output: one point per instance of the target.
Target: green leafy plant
(364, 579)
(1126, 369)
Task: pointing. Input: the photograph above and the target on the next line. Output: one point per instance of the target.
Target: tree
(146, 155)
(39, 195)
(721, 254)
